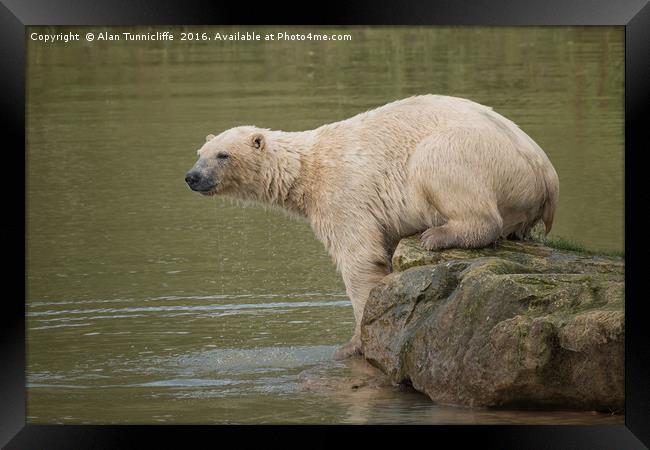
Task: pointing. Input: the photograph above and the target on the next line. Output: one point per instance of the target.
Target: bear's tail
(552, 193)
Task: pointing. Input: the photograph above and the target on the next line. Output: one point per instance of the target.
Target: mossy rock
(514, 325)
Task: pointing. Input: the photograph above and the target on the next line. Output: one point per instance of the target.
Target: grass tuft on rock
(561, 243)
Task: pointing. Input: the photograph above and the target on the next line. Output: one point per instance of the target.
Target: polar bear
(451, 169)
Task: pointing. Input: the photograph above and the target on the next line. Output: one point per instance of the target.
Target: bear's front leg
(359, 279)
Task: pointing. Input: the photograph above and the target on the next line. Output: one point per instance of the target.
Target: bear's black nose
(192, 178)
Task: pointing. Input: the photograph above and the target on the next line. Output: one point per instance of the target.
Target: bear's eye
(223, 156)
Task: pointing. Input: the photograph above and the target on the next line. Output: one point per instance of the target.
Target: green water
(148, 303)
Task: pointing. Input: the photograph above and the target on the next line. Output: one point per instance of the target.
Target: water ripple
(37, 303)
(213, 307)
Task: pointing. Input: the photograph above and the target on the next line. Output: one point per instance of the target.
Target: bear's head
(230, 163)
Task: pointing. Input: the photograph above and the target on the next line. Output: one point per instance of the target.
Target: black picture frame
(15, 15)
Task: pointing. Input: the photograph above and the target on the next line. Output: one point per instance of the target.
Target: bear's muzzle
(199, 183)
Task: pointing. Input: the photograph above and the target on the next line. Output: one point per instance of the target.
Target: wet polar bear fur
(446, 167)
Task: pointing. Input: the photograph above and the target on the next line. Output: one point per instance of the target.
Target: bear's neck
(285, 181)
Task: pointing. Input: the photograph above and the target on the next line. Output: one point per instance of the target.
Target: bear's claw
(436, 238)
(348, 350)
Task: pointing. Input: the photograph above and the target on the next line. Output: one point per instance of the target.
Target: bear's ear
(257, 141)
(209, 137)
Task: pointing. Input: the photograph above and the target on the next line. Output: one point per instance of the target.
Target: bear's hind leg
(469, 234)
(450, 171)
